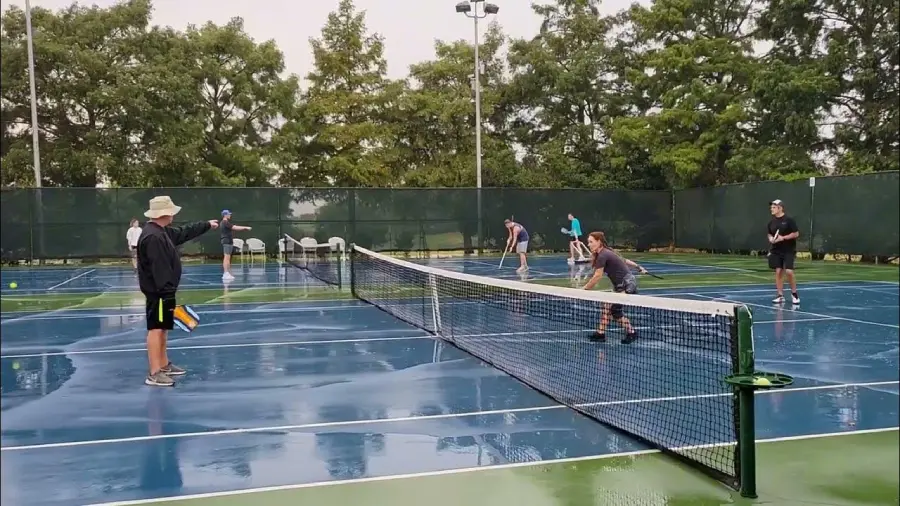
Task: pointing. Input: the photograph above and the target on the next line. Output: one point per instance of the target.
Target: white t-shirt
(134, 233)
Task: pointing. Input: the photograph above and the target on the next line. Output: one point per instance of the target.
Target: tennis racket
(565, 231)
(653, 275)
(772, 244)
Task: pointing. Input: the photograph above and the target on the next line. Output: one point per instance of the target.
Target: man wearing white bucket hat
(159, 273)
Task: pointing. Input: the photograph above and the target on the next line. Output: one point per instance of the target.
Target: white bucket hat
(161, 206)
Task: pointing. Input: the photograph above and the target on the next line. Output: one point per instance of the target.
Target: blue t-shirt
(575, 228)
(523, 234)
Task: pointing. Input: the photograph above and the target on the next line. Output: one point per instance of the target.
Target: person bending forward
(623, 281)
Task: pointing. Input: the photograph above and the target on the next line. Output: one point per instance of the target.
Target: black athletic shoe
(630, 338)
(598, 337)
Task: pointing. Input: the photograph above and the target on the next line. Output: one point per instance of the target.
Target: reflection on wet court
(282, 395)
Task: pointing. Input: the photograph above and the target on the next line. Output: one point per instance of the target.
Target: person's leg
(156, 322)
(775, 263)
(573, 245)
(629, 287)
(227, 250)
(600, 334)
(522, 249)
(167, 366)
(134, 258)
(792, 279)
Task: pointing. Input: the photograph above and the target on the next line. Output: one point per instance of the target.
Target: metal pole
(477, 107)
(478, 135)
(35, 134)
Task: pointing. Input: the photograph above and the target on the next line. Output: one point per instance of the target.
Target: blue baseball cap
(225, 212)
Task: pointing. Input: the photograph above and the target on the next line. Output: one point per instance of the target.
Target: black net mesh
(322, 261)
(666, 388)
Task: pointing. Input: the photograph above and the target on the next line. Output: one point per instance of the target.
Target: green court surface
(843, 470)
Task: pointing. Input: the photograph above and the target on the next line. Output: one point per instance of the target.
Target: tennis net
(322, 261)
(667, 388)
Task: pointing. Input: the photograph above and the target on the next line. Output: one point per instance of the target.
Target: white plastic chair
(255, 245)
(238, 245)
(338, 244)
(308, 244)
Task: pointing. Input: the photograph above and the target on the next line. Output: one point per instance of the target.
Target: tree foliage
(671, 94)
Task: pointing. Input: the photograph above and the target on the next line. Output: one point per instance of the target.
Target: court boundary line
(425, 418)
(799, 311)
(362, 340)
(73, 278)
(463, 470)
(36, 297)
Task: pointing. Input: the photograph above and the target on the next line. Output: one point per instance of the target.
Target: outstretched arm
(181, 235)
(239, 228)
(634, 265)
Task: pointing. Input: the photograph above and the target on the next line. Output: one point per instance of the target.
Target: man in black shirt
(783, 234)
(159, 273)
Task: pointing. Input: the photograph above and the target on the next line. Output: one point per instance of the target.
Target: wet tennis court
(296, 397)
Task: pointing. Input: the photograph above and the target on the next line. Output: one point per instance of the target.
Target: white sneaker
(227, 277)
(570, 261)
(779, 299)
(795, 299)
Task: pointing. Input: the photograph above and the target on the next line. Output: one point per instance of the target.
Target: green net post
(747, 433)
(746, 382)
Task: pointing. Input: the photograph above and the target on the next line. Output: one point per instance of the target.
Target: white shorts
(522, 247)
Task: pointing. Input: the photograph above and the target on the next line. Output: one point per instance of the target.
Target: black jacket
(159, 262)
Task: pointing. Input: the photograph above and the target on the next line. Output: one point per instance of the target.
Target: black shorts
(782, 259)
(574, 238)
(629, 286)
(160, 313)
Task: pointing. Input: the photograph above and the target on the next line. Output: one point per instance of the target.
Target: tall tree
(436, 117)
(347, 141)
(80, 58)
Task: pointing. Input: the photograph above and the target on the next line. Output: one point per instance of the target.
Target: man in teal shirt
(575, 244)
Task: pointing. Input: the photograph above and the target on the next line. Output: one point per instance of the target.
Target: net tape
(667, 388)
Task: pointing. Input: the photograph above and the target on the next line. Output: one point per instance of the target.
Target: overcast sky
(410, 28)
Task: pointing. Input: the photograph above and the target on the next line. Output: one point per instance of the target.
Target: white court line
(219, 346)
(73, 278)
(762, 290)
(770, 306)
(465, 470)
(699, 266)
(364, 340)
(339, 302)
(442, 416)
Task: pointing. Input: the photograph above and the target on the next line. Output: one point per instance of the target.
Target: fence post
(351, 207)
(673, 243)
(812, 212)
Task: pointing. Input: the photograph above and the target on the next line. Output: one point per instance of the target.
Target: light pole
(35, 134)
(470, 10)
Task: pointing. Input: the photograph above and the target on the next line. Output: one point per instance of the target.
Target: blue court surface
(280, 394)
(110, 279)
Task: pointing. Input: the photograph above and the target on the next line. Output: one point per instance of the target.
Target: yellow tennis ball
(13, 285)
(763, 382)
(16, 365)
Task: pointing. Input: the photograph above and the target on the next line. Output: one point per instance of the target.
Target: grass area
(50, 302)
(798, 472)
